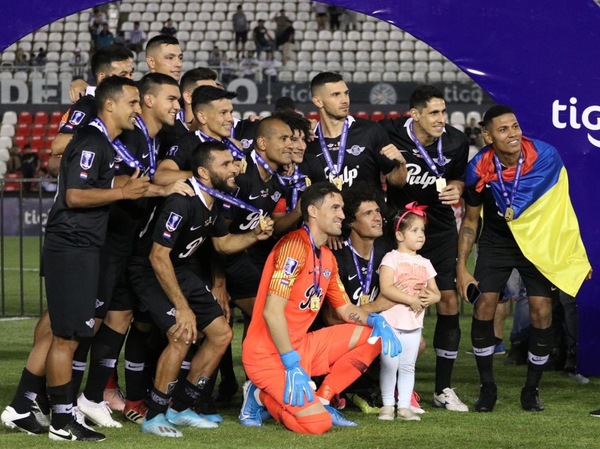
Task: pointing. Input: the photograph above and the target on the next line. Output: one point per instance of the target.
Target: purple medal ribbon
(118, 146)
(181, 118)
(425, 155)
(222, 196)
(366, 284)
(235, 151)
(259, 160)
(316, 282)
(151, 145)
(296, 182)
(335, 170)
(509, 201)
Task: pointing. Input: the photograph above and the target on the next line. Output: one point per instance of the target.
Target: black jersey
(347, 269)
(363, 159)
(79, 115)
(312, 168)
(87, 163)
(183, 148)
(181, 223)
(168, 135)
(495, 231)
(244, 131)
(125, 215)
(420, 183)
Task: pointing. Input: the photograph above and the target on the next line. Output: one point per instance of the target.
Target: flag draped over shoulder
(545, 225)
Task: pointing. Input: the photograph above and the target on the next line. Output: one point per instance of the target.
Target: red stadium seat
(53, 129)
(406, 114)
(56, 117)
(41, 118)
(45, 154)
(37, 143)
(25, 117)
(313, 115)
(39, 130)
(377, 115)
(393, 114)
(23, 129)
(12, 186)
(362, 114)
(21, 141)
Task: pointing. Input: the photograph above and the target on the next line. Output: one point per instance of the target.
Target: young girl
(408, 279)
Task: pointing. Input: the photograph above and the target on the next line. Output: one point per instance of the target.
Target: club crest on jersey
(173, 221)
(246, 143)
(275, 197)
(77, 118)
(355, 150)
(326, 273)
(171, 312)
(99, 303)
(87, 159)
(90, 323)
(290, 266)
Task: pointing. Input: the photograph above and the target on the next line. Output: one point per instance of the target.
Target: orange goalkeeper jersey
(290, 273)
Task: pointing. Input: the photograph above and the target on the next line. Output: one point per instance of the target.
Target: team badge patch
(77, 117)
(246, 143)
(290, 266)
(90, 323)
(171, 312)
(173, 221)
(275, 197)
(87, 159)
(355, 150)
(326, 273)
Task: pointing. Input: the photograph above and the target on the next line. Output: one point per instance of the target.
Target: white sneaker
(406, 414)
(449, 400)
(97, 413)
(80, 418)
(386, 413)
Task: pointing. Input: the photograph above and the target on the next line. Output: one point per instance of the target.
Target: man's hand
(185, 326)
(450, 195)
(589, 275)
(77, 90)
(334, 243)
(392, 153)
(463, 279)
(297, 382)
(220, 293)
(264, 234)
(288, 170)
(254, 118)
(181, 187)
(135, 187)
(381, 329)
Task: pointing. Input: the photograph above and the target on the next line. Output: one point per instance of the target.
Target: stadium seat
(359, 77)
(9, 118)
(377, 66)
(378, 46)
(41, 117)
(322, 46)
(5, 142)
(23, 129)
(457, 118)
(421, 55)
(406, 56)
(7, 131)
(462, 77)
(434, 77)
(419, 45)
(389, 77)
(301, 76)
(473, 115)
(449, 77)
(334, 66)
(26, 117)
(393, 114)
(53, 129)
(377, 115)
(362, 114)
(421, 66)
(419, 77)
(374, 77)
(349, 46)
(392, 45)
(39, 130)
(363, 56)
(335, 45)
(37, 143)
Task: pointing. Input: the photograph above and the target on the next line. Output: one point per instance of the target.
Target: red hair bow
(413, 208)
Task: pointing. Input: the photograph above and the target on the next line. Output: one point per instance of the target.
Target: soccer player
(522, 186)
(164, 55)
(137, 149)
(350, 149)
(75, 231)
(436, 157)
(178, 299)
(279, 355)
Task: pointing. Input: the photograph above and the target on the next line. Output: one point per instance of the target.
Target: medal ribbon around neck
(235, 151)
(197, 185)
(424, 153)
(365, 284)
(508, 200)
(316, 281)
(151, 144)
(335, 170)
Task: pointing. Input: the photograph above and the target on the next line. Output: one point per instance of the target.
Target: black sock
(497, 340)
(61, 404)
(30, 386)
(135, 358)
(482, 337)
(539, 351)
(158, 403)
(445, 342)
(79, 364)
(42, 399)
(187, 363)
(103, 359)
(226, 366)
(185, 396)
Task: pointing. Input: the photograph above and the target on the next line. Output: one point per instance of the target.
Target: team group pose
(170, 212)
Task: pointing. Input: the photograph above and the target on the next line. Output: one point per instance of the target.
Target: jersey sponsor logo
(275, 197)
(355, 150)
(76, 118)
(358, 292)
(246, 143)
(87, 159)
(253, 219)
(171, 312)
(290, 266)
(326, 273)
(90, 323)
(348, 175)
(172, 150)
(191, 247)
(415, 177)
(173, 221)
(209, 221)
(310, 291)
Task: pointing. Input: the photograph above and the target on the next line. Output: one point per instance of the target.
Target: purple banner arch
(538, 56)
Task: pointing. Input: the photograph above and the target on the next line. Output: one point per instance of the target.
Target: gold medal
(243, 165)
(440, 184)
(338, 182)
(315, 303)
(509, 214)
(307, 181)
(364, 299)
(261, 222)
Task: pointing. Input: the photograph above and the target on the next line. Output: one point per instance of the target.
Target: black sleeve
(312, 168)
(472, 197)
(172, 217)
(80, 115)
(84, 163)
(380, 140)
(462, 157)
(219, 229)
(181, 153)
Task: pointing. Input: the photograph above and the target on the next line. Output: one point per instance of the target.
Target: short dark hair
(356, 195)
(324, 78)
(161, 39)
(104, 57)
(111, 87)
(151, 81)
(285, 103)
(191, 77)
(495, 111)
(315, 195)
(294, 120)
(423, 94)
(205, 94)
(201, 156)
(265, 126)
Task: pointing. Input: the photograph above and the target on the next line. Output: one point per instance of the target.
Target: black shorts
(242, 276)
(442, 252)
(494, 266)
(71, 289)
(157, 303)
(241, 36)
(113, 270)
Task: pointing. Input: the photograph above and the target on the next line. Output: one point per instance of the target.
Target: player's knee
(316, 424)
(221, 336)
